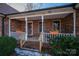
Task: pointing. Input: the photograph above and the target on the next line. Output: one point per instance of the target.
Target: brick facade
(17, 25)
(77, 22)
(67, 24)
(0, 26)
(6, 26)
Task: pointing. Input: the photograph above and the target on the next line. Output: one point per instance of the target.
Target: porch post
(42, 34)
(74, 24)
(42, 26)
(9, 27)
(26, 30)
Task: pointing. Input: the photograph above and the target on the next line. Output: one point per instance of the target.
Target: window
(40, 26)
(56, 25)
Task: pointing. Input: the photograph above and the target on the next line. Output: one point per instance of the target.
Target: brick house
(35, 25)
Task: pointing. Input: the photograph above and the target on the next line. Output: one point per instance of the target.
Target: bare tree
(32, 6)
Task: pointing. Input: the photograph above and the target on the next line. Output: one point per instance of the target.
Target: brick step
(46, 46)
(32, 44)
(35, 45)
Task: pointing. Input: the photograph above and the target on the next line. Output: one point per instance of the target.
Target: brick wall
(17, 25)
(13, 25)
(77, 22)
(0, 26)
(6, 26)
(6, 31)
(48, 25)
(67, 24)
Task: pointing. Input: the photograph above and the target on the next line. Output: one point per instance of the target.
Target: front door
(30, 28)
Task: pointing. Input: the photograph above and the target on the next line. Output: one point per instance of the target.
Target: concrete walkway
(28, 52)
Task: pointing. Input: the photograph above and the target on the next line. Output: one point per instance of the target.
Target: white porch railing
(21, 35)
(48, 34)
(18, 35)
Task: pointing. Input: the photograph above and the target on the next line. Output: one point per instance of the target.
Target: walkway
(28, 52)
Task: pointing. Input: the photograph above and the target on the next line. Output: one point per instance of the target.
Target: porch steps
(32, 44)
(29, 49)
(35, 45)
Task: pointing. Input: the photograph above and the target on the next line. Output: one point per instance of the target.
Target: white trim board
(53, 13)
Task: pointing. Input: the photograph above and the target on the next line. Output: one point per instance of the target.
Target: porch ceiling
(45, 17)
(49, 17)
(56, 16)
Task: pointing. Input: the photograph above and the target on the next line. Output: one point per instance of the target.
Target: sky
(21, 6)
(53, 4)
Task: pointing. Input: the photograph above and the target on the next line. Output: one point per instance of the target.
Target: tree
(32, 6)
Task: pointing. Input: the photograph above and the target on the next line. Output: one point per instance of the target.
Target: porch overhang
(43, 13)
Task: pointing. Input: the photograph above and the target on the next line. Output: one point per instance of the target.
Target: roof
(70, 5)
(12, 11)
(6, 9)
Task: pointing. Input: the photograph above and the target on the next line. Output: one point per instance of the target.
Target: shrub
(7, 45)
(64, 45)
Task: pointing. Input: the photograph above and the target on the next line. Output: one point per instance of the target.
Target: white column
(26, 30)
(42, 17)
(41, 40)
(9, 27)
(74, 24)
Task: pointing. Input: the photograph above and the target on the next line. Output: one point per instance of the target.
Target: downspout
(3, 19)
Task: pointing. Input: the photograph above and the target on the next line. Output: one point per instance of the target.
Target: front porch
(36, 28)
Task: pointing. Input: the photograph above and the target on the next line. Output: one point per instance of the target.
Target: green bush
(7, 45)
(64, 45)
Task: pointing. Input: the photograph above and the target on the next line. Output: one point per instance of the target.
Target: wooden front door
(30, 28)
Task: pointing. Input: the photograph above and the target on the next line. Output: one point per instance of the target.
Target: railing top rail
(62, 33)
